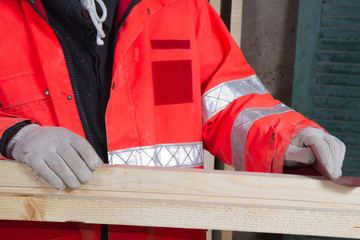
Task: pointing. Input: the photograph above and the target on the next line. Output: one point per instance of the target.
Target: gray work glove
(60, 156)
(330, 148)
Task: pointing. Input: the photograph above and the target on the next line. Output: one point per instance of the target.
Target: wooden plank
(235, 30)
(236, 20)
(228, 168)
(216, 4)
(209, 160)
(209, 235)
(226, 235)
(187, 198)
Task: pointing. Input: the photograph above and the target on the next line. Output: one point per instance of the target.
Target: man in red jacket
(137, 82)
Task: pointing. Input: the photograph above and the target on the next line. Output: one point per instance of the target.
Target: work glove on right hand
(60, 156)
(330, 149)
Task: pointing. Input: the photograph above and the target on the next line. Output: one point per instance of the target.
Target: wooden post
(236, 20)
(216, 4)
(235, 30)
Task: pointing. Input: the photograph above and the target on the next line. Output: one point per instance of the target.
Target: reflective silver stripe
(241, 128)
(162, 155)
(219, 97)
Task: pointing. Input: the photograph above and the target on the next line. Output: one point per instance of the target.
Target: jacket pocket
(172, 82)
(172, 71)
(25, 95)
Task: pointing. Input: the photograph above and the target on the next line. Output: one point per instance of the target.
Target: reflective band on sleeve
(161, 155)
(241, 128)
(219, 97)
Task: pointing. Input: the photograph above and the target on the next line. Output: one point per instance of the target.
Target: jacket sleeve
(9, 124)
(242, 124)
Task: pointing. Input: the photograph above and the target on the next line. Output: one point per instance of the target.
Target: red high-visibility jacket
(180, 83)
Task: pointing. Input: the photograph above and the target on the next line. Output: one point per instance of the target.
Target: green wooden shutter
(327, 74)
(327, 71)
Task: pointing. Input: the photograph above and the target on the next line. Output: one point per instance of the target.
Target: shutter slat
(339, 45)
(340, 57)
(340, 22)
(340, 11)
(352, 142)
(337, 91)
(340, 126)
(353, 152)
(351, 165)
(338, 79)
(341, 2)
(342, 103)
(336, 33)
(338, 68)
(336, 114)
(351, 173)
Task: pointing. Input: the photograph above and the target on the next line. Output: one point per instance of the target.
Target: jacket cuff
(8, 134)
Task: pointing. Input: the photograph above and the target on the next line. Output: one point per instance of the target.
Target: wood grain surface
(205, 199)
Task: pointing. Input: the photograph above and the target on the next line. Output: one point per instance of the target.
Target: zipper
(72, 76)
(71, 69)
(122, 21)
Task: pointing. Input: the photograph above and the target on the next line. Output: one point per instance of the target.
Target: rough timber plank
(188, 199)
(236, 20)
(216, 4)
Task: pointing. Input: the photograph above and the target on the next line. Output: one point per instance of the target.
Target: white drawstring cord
(90, 6)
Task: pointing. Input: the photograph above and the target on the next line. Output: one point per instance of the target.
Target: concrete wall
(268, 43)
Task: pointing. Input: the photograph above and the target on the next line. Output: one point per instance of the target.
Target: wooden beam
(184, 198)
(216, 4)
(236, 20)
(209, 161)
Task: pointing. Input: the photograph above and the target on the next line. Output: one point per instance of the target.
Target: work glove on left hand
(60, 156)
(330, 148)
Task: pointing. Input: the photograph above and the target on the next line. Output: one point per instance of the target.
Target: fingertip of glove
(343, 147)
(74, 185)
(95, 164)
(336, 174)
(85, 178)
(99, 164)
(60, 188)
(68, 183)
